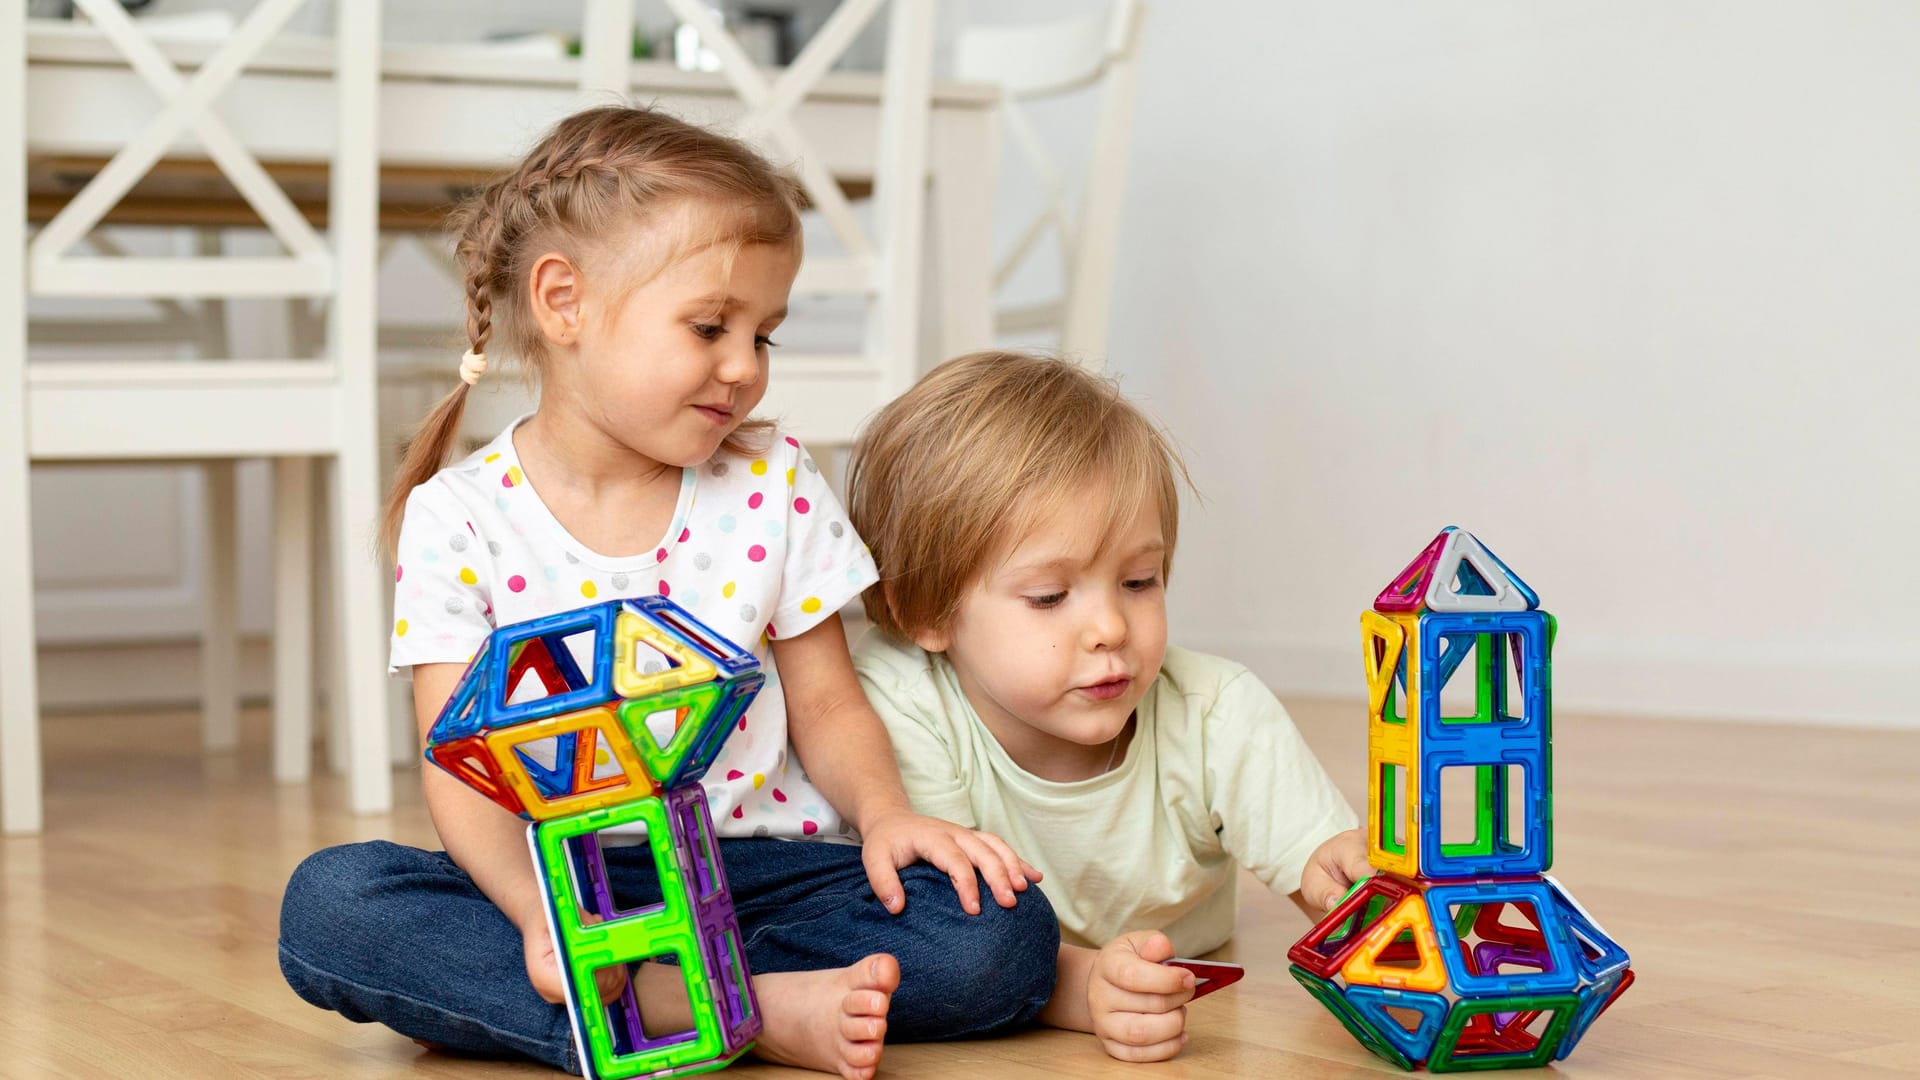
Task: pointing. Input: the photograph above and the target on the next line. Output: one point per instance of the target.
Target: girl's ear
(554, 294)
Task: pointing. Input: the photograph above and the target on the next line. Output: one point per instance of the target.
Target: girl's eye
(1142, 584)
(765, 342)
(709, 331)
(1047, 601)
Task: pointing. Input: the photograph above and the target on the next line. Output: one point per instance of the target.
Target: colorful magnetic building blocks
(1462, 953)
(606, 718)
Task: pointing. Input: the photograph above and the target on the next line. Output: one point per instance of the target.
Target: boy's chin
(1096, 727)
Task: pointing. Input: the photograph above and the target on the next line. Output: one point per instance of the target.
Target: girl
(638, 265)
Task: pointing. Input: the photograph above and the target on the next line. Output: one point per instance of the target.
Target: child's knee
(334, 893)
(1013, 950)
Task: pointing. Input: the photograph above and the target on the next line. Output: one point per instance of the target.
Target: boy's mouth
(1107, 689)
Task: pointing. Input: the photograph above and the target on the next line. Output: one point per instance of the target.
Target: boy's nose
(1106, 626)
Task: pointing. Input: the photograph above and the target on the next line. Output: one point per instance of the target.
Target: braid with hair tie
(479, 249)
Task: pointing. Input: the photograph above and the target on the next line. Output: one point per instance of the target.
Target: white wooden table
(473, 107)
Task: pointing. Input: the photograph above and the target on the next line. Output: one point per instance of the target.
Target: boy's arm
(844, 748)
(1331, 870)
(1068, 1006)
(1123, 995)
(1273, 806)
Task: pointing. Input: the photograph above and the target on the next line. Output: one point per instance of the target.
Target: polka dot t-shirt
(758, 548)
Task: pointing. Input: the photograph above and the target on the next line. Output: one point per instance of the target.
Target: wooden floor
(1765, 879)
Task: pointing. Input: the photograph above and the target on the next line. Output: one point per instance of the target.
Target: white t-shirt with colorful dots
(759, 547)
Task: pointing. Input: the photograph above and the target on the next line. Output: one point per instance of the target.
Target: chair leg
(332, 672)
(292, 618)
(361, 639)
(354, 346)
(20, 806)
(220, 624)
(20, 794)
(20, 781)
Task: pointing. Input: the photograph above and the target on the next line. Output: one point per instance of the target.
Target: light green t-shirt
(1216, 776)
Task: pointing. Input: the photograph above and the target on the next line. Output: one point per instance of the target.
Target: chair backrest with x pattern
(287, 408)
(881, 266)
(1038, 61)
(307, 269)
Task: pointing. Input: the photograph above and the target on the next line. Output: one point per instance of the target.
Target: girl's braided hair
(595, 174)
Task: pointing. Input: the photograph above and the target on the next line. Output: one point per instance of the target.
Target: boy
(1023, 516)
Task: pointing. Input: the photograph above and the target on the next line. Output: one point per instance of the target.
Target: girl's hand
(1333, 868)
(543, 964)
(901, 838)
(1138, 1005)
(543, 968)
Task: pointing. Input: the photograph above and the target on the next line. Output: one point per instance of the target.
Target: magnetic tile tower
(1461, 952)
(602, 718)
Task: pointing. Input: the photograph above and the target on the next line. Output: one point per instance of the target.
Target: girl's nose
(739, 366)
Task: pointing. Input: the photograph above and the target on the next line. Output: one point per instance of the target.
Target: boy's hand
(902, 837)
(1333, 868)
(1139, 1006)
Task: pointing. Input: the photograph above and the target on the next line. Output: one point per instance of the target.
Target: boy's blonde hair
(593, 174)
(956, 470)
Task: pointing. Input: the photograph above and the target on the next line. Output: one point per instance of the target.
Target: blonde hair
(959, 468)
(595, 173)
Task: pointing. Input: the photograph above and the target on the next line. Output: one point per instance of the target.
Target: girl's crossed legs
(383, 933)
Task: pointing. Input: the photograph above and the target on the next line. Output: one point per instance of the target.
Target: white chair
(293, 411)
(1033, 62)
(822, 396)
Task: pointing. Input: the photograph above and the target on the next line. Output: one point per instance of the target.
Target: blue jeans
(383, 933)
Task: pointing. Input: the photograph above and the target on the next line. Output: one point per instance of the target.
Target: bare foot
(834, 1021)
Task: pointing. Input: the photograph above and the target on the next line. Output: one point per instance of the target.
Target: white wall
(1626, 288)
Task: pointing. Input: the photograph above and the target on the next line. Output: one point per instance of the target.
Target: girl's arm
(844, 748)
(486, 841)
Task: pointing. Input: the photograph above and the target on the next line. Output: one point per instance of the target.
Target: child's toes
(881, 972)
(860, 1029)
(860, 1057)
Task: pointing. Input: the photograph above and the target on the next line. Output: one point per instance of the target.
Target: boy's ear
(932, 639)
(553, 289)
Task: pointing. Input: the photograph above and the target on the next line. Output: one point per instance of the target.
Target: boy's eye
(1047, 601)
(1142, 584)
